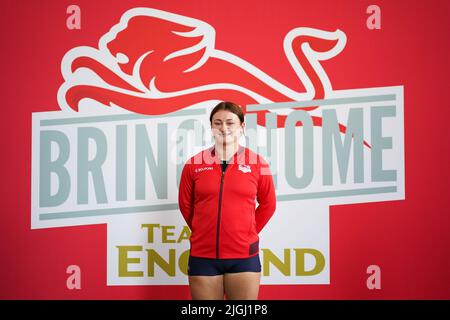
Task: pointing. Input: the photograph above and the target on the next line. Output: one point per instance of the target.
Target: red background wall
(408, 239)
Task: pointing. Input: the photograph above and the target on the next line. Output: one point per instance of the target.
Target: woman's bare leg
(206, 287)
(242, 285)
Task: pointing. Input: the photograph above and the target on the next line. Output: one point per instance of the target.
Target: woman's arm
(186, 195)
(265, 195)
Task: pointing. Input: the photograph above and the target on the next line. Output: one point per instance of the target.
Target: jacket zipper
(219, 213)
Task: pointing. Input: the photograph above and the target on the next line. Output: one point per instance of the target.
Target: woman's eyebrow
(219, 120)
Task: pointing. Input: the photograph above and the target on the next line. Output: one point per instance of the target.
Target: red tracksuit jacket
(219, 207)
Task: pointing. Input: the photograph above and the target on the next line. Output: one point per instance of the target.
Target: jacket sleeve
(186, 195)
(265, 195)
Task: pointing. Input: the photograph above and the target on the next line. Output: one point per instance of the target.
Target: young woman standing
(217, 194)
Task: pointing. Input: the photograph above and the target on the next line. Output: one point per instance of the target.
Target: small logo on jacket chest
(202, 169)
(244, 168)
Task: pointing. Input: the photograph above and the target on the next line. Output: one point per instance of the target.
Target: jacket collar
(236, 157)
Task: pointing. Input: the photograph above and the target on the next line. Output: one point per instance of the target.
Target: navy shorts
(214, 267)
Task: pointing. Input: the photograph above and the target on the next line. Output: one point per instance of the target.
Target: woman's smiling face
(226, 127)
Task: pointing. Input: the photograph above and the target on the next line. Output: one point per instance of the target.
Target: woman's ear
(242, 130)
